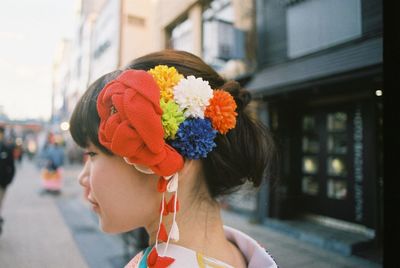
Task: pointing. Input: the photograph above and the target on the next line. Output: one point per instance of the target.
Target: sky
(30, 31)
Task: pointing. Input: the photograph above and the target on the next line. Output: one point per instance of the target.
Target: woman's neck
(197, 222)
(200, 226)
(201, 230)
(198, 219)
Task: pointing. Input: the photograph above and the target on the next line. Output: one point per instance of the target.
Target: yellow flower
(166, 78)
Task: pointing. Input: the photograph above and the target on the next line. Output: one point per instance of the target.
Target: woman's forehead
(90, 146)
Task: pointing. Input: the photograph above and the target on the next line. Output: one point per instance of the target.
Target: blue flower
(195, 138)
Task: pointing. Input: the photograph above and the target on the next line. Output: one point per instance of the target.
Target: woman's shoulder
(183, 257)
(255, 254)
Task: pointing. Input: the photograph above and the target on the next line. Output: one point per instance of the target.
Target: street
(61, 231)
(43, 230)
(34, 233)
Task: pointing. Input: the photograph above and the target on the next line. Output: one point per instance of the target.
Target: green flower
(171, 118)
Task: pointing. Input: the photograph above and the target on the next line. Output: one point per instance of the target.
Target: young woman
(166, 137)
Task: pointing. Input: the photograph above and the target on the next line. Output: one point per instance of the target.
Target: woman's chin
(107, 228)
(110, 229)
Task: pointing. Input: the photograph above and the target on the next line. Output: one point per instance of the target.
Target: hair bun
(241, 95)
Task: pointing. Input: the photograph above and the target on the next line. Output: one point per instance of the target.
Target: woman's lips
(95, 206)
(93, 203)
(86, 193)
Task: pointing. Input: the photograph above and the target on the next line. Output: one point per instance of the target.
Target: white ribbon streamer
(172, 185)
(140, 168)
(174, 232)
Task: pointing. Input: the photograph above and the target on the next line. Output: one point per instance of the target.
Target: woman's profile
(166, 136)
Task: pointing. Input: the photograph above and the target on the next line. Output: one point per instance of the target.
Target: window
(310, 161)
(337, 189)
(181, 36)
(324, 149)
(336, 166)
(222, 41)
(138, 21)
(313, 25)
(310, 185)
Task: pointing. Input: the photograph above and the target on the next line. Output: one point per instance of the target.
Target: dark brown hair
(246, 152)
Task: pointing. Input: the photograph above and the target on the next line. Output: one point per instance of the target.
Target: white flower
(192, 95)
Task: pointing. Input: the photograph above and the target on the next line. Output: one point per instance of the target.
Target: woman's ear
(190, 169)
(187, 166)
(191, 180)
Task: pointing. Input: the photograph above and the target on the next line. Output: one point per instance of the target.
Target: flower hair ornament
(154, 120)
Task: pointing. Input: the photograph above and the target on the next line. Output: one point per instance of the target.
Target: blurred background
(314, 68)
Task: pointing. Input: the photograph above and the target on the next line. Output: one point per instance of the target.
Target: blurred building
(3, 116)
(319, 87)
(110, 33)
(22, 136)
(219, 31)
(60, 83)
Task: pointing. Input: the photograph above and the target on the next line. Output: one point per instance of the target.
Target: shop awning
(288, 76)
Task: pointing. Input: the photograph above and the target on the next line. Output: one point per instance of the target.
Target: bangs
(85, 121)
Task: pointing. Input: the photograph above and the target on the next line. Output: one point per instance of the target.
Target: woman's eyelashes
(90, 153)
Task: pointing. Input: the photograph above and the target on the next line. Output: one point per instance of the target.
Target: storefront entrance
(332, 162)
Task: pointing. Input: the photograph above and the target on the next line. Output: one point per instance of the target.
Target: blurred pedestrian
(7, 170)
(18, 152)
(167, 119)
(53, 158)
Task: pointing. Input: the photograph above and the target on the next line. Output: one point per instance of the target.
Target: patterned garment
(256, 256)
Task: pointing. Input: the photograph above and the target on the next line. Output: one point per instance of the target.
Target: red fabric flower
(155, 261)
(130, 122)
(221, 111)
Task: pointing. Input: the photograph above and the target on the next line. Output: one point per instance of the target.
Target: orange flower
(221, 111)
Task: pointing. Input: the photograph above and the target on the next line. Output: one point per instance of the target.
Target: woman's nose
(83, 177)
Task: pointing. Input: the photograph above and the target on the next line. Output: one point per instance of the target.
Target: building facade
(219, 31)
(319, 81)
(60, 81)
(110, 33)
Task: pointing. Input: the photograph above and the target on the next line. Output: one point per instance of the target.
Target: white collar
(255, 254)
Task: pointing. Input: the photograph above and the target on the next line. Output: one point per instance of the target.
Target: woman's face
(122, 197)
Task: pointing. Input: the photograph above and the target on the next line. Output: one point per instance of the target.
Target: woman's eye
(90, 154)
